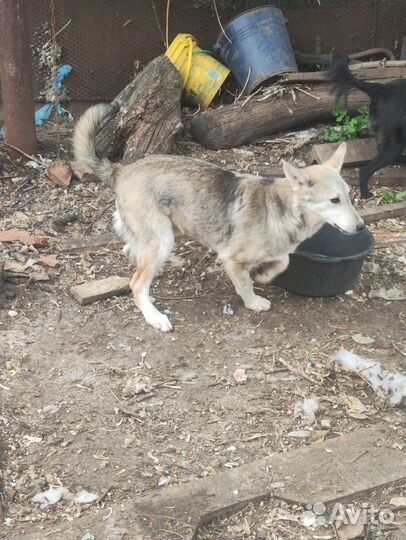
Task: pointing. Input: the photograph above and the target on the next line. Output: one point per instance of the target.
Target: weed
(347, 128)
(391, 197)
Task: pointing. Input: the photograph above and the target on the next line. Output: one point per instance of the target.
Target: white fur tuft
(376, 376)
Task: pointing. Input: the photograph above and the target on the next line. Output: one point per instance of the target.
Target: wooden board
(358, 151)
(338, 469)
(389, 176)
(381, 72)
(386, 211)
(86, 293)
(88, 243)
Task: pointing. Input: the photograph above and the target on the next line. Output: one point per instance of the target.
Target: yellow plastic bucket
(202, 74)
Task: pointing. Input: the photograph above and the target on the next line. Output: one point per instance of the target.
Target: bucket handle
(189, 60)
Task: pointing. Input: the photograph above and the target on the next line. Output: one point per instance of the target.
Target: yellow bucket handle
(189, 59)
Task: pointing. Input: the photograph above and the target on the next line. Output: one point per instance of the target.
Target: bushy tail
(84, 147)
(343, 81)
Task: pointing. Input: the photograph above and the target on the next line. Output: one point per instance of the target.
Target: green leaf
(400, 197)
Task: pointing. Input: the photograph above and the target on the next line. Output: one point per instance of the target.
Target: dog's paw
(159, 321)
(258, 303)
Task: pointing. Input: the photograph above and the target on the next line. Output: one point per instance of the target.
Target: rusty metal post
(16, 77)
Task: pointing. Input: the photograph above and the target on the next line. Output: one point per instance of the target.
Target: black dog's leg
(387, 154)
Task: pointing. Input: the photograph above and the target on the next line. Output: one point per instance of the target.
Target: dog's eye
(336, 200)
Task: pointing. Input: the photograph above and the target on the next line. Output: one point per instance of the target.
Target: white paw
(258, 303)
(159, 321)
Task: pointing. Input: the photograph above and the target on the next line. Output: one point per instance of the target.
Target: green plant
(347, 128)
(391, 197)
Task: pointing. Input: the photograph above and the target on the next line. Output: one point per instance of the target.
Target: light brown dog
(251, 222)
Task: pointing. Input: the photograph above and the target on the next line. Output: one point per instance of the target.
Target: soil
(94, 398)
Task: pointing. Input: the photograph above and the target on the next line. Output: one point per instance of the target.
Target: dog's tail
(84, 146)
(343, 81)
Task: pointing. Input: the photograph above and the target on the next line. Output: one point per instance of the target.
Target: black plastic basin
(326, 264)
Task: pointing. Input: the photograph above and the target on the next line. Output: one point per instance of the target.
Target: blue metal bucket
(260, 47)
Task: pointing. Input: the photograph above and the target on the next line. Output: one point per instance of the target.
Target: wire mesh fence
(102, 39)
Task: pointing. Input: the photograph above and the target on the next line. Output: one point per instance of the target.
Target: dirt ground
(94, 398)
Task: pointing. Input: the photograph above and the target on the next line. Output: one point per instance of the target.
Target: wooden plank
(386, 211)
(334, 470)
(89, 243)
(403, 49)
(378, 73)
(86, 293)
(358, 151)
(389, 176)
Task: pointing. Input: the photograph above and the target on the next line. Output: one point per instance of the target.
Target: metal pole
(16, 77)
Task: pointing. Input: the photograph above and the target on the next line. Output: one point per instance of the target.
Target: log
(243, 122)
(146, 116)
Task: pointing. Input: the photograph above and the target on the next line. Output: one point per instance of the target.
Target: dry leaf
(350, 531)
(348, 523)
(398, 502)
(17, 235)
(240, 375)
(60, 173)
(362, 340)
(82, 172)
(354, 404)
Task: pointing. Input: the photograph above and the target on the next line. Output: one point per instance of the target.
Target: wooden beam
(338, 469)
(386, 211)
(87, 293)
(88, 243)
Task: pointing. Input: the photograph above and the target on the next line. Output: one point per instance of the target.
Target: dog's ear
(297, 177)
(337, 159)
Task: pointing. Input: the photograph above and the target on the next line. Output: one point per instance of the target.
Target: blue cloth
(45, 113)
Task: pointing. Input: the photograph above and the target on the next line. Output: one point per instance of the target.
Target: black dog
(388, 116)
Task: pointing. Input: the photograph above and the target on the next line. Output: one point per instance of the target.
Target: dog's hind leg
(150, 257)
(266, 272)
(242, 282)
(387, 154)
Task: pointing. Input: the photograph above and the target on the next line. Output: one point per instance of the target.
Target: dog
(251, 222)
(388, 117)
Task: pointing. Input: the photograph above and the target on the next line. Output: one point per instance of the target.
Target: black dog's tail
(343, 81)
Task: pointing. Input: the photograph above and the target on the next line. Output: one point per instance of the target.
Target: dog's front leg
(239, 275)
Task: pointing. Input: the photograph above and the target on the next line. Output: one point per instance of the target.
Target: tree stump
(243, 122)
(146, 116)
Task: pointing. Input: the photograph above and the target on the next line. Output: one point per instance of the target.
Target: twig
(103, 495)
(20, 151)
(307, 93)
(90, 226)
(399, 351)
(297, 372)
(157, 21)
(244, 87)
(168, 5)
(218, 20)
(59, 31)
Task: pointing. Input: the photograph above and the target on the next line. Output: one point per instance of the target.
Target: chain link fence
(102, 39)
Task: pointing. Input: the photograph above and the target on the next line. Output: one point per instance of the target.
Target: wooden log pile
(257, 116)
